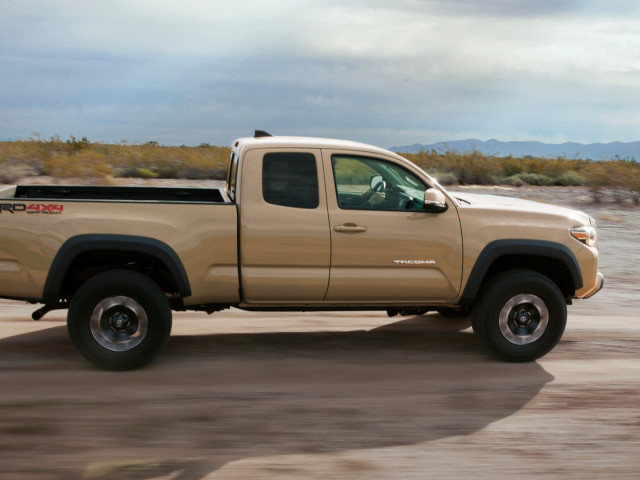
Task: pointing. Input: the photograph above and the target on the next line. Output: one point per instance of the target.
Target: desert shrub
(477, 168)
(598, 178)
(170, 162)
(141, 173)
(511, 166)
(474, 168)
(570, 178)
(621, 177)
(446, 178)
(83, 164)
(23, 156)
(536, 179)
(75, 146)
(82, 158)
(514, 181)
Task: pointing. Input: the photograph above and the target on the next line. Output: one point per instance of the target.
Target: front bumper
(597, 287)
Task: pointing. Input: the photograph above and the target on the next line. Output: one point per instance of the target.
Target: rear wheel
(519, 315)
(119, 320)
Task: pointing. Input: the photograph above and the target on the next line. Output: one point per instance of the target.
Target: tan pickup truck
(303, 224)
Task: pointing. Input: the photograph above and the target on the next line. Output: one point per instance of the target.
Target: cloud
(377, 71)
(506, 8)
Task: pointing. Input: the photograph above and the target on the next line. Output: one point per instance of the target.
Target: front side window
(290, 179)
(372, 184)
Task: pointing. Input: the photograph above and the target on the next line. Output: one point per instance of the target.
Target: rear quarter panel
(203, 236)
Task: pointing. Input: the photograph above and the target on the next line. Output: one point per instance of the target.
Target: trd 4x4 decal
(32, 208)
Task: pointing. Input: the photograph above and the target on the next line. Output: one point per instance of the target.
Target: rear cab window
(232, 176)
(290, 179)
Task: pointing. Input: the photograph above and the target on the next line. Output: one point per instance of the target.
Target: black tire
(519, 315)
(119, 320)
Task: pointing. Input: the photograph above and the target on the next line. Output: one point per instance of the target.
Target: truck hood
(510, 203)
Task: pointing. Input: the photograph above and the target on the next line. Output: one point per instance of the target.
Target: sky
(385, 72)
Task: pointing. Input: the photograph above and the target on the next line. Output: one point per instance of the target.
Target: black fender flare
(500, 248)
(80, 244)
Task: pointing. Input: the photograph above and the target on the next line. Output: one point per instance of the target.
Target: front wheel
(119, 320)
(519, 316)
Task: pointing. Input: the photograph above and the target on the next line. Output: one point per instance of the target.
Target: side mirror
(435, 201)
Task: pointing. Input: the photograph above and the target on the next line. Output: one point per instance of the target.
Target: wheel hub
(523, 319)
(119, 323)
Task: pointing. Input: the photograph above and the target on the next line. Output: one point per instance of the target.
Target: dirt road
(304, 396)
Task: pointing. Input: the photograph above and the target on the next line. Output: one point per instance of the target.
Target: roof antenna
(261, 133)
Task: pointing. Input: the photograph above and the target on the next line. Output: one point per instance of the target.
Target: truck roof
(306, 142)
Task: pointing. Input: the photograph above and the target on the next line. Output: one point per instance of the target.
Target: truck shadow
(212, 399)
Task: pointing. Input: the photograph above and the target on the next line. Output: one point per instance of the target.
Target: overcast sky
(387, 72)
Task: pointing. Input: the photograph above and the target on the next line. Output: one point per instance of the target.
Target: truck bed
(161, 194)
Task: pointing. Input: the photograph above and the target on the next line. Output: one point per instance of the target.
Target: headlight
(586, 235)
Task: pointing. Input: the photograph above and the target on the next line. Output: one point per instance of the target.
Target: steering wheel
(379, 187)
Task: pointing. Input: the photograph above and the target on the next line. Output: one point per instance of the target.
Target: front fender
(507, 247)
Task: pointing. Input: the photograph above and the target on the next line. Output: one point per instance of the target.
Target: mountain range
(593, 151)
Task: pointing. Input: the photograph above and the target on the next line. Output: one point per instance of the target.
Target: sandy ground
(305, 396)
(338, 395)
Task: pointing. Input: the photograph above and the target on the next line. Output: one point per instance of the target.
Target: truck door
(385, 248)
(284, 231)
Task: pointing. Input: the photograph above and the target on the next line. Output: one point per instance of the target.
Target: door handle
(350, 228)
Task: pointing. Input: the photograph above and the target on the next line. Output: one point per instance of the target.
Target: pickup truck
(304, 224)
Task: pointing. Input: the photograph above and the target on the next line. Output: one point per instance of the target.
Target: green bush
(514, 181)
(536, 179)
(569, 179)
